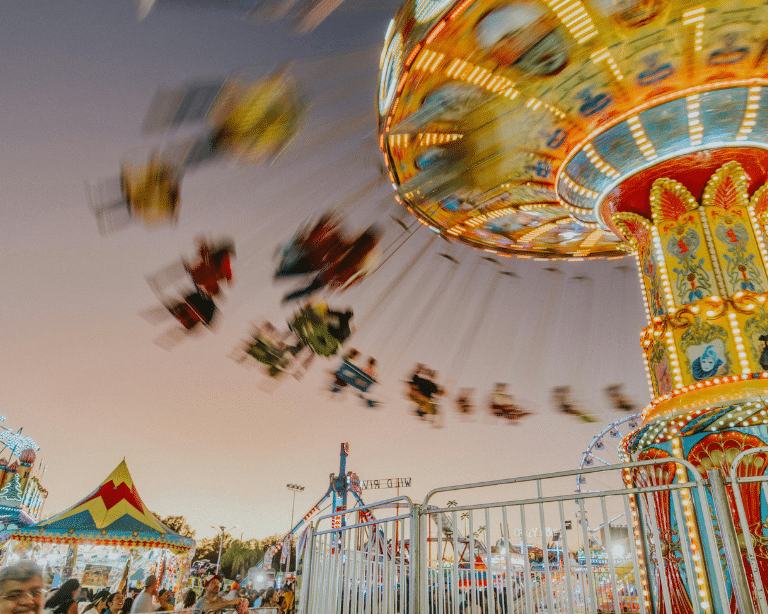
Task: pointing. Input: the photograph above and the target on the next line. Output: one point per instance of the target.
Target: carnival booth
(104, 539)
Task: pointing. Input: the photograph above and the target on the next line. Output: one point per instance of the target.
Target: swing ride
(188, 291)
(352, 375)
(337, 263)
(254, 118)
(241, 116)
(586, 129)
(315, 329)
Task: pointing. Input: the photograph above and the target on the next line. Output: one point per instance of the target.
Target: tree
(240, 557)
(208, 548)
(178, 524)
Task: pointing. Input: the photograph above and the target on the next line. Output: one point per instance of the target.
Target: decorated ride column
(703, 272)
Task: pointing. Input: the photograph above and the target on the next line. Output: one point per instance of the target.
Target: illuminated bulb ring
(614, 433)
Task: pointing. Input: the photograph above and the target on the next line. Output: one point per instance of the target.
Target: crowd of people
(22, 592)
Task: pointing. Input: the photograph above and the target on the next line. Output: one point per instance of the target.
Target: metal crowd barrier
(520, 546)
(359, 561)
(274, 610)
(535, 550)
(749, 488)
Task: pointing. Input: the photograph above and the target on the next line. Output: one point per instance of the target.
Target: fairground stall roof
(113, 514)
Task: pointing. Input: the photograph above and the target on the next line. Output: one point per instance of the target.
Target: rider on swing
(421, 389)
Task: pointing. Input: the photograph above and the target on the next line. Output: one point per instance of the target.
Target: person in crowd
(115, 603)
(99, 602)
(144, 602)
(211, 601)
(164, 600)
(189, 600)
(234, 591)
(257, 600)
(83, 599)
(286, 602)
(21, 588)
(270, 599)
(63, 600)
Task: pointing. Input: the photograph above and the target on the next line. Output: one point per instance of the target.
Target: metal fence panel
(519, 546)
(364, 563)
(643, 542)
(749, 488)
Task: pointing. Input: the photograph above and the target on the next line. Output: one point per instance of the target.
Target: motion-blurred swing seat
(313, 325)
(151, 192)
(197, 308)
(258, 122)
(349, 374)
(274, 357)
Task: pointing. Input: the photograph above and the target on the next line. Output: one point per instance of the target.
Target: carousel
(579, 129)
(106, 539)
(22, 495)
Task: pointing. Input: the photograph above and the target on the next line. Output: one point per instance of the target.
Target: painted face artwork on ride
(708, 364)
(705, 347)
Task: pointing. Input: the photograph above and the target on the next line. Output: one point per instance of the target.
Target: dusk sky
(203, 436)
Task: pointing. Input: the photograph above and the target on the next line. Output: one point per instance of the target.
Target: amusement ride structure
(338, 492)
(22, 495)
(578, 129)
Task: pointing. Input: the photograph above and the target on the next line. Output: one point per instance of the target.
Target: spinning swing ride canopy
(520, 127)
(112, 515)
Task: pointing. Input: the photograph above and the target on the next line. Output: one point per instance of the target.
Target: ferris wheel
(604, 450)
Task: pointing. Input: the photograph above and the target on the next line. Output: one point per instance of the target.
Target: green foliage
(237, 557)
(178, 524)
(240, 557)
(208, 548)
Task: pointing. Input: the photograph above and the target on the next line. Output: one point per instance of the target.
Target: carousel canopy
(113, 514)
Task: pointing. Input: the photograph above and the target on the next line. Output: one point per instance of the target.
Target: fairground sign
(385, 483)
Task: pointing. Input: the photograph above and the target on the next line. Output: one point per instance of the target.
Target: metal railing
(520, 546)
(749, 487)
(269, 610)
(359, 561)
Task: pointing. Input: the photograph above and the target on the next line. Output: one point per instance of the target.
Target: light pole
(295, 488)
(221, 543)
